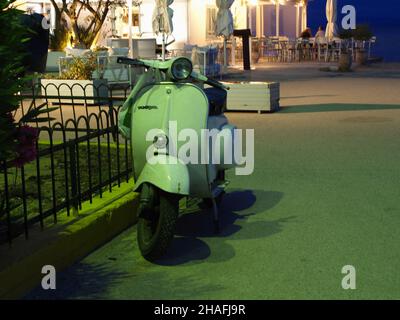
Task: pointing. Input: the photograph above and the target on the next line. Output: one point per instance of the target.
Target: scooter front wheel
(156, 225)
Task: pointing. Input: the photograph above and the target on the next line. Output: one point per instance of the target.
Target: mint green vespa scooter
(168, 117)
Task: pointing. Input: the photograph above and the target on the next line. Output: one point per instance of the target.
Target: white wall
(189, 20)
(197, 22)
(288, 21)
(197, 19)
(180, 21)
(269, 20)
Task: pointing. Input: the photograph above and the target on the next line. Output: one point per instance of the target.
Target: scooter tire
(155, 230)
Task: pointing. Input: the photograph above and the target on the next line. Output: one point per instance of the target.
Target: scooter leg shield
(166, 172)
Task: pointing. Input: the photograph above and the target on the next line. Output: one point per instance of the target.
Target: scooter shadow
(198, 223)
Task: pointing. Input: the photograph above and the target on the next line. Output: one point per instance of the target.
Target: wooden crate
(253, 96)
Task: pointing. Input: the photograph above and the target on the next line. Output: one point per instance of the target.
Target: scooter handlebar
(136, 62)
(216, 84)
(129, 61)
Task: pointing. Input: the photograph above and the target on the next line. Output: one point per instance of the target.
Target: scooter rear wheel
(156, 225)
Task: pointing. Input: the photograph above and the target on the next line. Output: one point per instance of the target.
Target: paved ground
(324, 194)
(305, 83)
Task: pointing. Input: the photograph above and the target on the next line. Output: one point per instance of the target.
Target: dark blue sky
(383, 16)
(374, 12)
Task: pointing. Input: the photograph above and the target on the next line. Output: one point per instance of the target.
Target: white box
(253, 96)
(143, 48)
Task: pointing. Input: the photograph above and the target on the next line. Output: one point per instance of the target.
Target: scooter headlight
(181, 68)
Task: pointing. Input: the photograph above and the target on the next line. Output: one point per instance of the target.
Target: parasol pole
(140, 20)
(225, 56)
(130, 23)
(163, 46)
(161, 24)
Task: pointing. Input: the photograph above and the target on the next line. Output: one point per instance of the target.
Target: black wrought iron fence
(79, 155)
(74, 98)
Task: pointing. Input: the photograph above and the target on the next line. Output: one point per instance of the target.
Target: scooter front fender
(167, 173)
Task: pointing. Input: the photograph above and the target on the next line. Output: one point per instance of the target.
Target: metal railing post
(74, 178)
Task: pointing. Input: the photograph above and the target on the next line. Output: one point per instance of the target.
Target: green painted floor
(325, 193)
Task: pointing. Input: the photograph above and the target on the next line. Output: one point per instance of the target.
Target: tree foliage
(17, 140)
(12, 35)
(85, 30)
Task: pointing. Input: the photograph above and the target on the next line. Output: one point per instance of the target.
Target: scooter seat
(216, 100)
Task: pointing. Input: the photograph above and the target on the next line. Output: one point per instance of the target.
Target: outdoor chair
(53, 61)
(322, 45)
(291, 50)
(111, 70)
(335, 49)
(204, 59)
(277, 46)
(238, 50)
(370, 43)
(255, 49)
(287, 51)
(304, 49)
(353, 47)
(270, 49)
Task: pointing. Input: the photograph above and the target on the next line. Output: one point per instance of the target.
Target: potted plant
(345, 58)
(361, 34)
(76, 81)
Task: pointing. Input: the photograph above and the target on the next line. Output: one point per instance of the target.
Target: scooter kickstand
(216, 216)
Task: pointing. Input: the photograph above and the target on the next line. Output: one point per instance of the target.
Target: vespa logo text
(147, 107)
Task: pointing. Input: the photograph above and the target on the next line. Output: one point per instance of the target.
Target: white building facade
(194, 19)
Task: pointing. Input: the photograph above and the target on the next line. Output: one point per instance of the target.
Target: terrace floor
(324, 194)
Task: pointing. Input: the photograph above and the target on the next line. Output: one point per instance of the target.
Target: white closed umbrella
(331, 16)
(224, 23)
(162, 20)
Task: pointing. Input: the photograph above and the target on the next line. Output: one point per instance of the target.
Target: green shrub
(80, 68)
(362, 33)
(17, 140)
(12, 35)
(346, 34)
